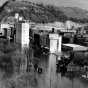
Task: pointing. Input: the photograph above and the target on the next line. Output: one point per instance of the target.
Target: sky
(67, 3)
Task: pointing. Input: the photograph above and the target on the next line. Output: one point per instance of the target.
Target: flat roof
(76, 47)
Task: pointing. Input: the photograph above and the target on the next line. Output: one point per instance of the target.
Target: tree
(28, 54)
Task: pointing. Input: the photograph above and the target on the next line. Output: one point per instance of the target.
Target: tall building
(22, 34)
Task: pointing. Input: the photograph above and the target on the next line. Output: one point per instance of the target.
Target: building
(22, 33)
(6, 30)
(72, 25)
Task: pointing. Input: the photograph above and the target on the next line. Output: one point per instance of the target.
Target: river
(50, 79)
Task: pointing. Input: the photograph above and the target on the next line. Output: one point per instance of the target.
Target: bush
(6, 64)
(18, 61)
(80, 58)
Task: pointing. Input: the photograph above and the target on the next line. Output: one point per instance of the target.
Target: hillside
(75, 13)
(40, 13)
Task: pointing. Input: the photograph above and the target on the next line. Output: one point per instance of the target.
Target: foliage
(80, 59)
(41, 13)
(7, 47)
(11, 54)
(6, 65)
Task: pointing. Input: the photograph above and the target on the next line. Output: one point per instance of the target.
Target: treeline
(84, 20)
(11, 58)
(37, 12)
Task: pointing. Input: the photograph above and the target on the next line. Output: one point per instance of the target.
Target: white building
(4, 26)
(22, 34)
(70, 24)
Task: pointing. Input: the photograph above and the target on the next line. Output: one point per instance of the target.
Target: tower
(22, 34)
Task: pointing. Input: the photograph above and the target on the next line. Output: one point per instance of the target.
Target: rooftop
(76, 47)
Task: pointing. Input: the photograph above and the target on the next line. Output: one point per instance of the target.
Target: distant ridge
(41, 13)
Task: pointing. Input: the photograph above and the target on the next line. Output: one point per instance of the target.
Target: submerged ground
(13, 75)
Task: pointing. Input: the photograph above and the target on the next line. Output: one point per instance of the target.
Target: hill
(41, 13)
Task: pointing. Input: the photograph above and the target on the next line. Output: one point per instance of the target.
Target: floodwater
(50, 79)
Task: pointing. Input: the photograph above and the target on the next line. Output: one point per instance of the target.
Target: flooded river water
(50, 79)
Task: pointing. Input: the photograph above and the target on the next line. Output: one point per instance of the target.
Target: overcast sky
(74, 3)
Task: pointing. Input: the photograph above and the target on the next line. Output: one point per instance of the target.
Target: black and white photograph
(43, 43)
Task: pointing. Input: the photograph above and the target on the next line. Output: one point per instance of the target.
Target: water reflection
(61, 79)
